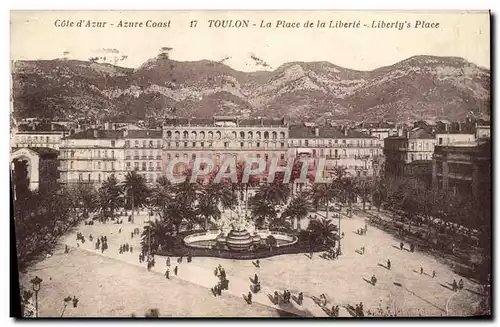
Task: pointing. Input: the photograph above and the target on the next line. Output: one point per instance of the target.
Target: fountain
(237, 233)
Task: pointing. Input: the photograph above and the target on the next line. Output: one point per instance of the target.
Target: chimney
(96, 134)
(316, 132)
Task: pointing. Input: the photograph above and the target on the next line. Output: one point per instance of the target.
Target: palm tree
(208, 203)
(135, 189)
(110, 196)
(297, 209)
(262, 210)
(324, 231)
(87, 198)
(187, 193)
(157, 234)
(275, 193)
(364, 189)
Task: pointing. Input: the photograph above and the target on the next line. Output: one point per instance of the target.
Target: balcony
(136, 157)
(150, 157)
(158, 157)
(144, 157)
(127, 157)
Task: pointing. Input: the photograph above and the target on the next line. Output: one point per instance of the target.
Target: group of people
(359, 310)
(125, 248)
(333, 253)
(80, 237)
(256, 284)
(335, 310)
(459, 286)
(167, 272)
(102, 244)
(90, 222)
(119, 221)
(223, 283)
(135, 232)
(286, 296)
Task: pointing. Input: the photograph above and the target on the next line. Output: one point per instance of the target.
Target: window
(202, 144)
(440, 140)
(258, 156)
(226, 145)
(168, 156)
(158, 144)
(150, 144)
(185, 144)
(193, 156)
(99, 165)
(242, 135)
(80, 177)
(282, 144)
(144, 165)
(127, 144)
(258, 144)
(336, 141)
(412, 156)
(71, 165)
(241, 144)
(194, 144)
(112, 144)
(150, 164)
(282, 157)
(128, 165)
(306, 143)
(176, 144)
(112, 166)
(136, 165)
(99, 177)
(266, 156)
(136, 143)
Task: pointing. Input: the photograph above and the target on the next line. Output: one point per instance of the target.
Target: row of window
(39, 139)
(143, 166)
(151, 177)
(88, 154)
(89, 165)
(218, 157)
(144, 143)
(227, 145)
(218, 135)
(335, 142)
(143, 154)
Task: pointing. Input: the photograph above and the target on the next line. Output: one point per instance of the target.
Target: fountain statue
(239, 237)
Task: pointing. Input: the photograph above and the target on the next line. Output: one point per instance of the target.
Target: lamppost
(36, 283)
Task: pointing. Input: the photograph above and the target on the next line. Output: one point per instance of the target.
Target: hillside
(421, 86)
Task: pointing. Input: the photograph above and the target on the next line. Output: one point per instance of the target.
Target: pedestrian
(361, 313)
(168, 262)
(256, 279)
(388, 264)
(433, 273)
(175, 270)
(276, 297)
(401, 246)
(454, 285)
(356, 310)
(131, 249)
(119, 230)
(257, 263)
(75, 302)
(167, 274)
(249, 298)
(460, 284)
(421, 270)
(189, 258)
(373, 280)
(300, 298)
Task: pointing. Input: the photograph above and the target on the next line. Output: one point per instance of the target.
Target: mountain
(419, 87)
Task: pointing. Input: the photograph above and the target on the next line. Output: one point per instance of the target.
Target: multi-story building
(463, 168)
(380, 130)
(400, 151)
(144, 153)
(92, 156)
(220, 137)
(351, 149)
(451, 137)
(41, 135)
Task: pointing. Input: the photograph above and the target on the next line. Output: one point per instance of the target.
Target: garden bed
(178, 248)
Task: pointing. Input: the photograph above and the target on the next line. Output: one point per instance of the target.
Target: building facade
(463, 168)
(400, 151)
(144, 153)
(32, 135)
(220, 137)
(37, 167)
(92, 156)
(350, 149)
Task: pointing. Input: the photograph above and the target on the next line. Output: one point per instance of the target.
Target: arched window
(194, 135)
(177, 135)
(210, 135)
(234, 135)
(266, 135)
(185, 134)
(202, 135)
(282, 135)
(242, 135)
(217, 135)
(258, 135)
(274, 135)
(112, 154)
(250, 135)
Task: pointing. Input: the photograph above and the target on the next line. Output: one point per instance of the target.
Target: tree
(86, 197)
(323, 230)
(275, 193)
(262, 210)
(157, 234)
(364, 189)
(135, 189)
(207, 204)
(297, 209)
(110, 197)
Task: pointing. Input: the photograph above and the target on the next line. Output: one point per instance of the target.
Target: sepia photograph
(271, 164)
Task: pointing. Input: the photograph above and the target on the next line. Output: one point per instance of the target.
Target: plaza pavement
(401, 290)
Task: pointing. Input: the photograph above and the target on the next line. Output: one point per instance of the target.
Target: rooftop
(143, 134)
(90, 134)
(301, 131)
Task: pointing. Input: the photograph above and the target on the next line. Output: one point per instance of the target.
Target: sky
(460, 34)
